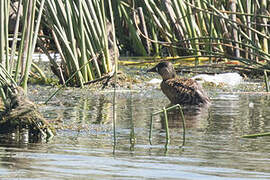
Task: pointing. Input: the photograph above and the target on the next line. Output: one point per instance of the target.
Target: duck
(182, 91)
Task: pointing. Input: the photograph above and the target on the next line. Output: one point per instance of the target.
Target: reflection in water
(193, 115)
(84, 149)
(103, 110)
(21, 135)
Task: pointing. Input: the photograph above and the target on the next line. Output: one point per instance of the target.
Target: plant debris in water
(23, 113)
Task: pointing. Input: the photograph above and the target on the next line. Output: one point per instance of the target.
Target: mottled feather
(184, 91)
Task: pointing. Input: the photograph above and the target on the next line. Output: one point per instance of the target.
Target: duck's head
(164, 69)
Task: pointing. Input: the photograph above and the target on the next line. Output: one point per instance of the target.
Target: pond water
(84, 148)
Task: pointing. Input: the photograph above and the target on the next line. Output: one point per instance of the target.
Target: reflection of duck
(179, 91)
(195, 117)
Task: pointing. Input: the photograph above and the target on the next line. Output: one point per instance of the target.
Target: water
(84, 147)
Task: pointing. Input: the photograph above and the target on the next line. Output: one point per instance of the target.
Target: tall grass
(81, 32)
(235, 29)
(16, 63)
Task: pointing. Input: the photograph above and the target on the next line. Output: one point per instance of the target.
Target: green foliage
(81, 31)
(233, 29)
(15, 67)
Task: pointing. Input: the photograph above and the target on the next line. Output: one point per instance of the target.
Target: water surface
(84, 148)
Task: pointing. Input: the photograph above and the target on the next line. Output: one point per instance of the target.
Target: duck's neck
(167, 76)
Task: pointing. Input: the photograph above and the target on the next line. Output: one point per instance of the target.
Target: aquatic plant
(228, 30)
(15, 66)
(256, 135)
(84, 38)
(164, 111)
(16, 62)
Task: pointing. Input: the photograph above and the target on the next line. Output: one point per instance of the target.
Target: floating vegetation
(256, 135)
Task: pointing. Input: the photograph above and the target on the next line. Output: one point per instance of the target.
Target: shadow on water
(83, 146)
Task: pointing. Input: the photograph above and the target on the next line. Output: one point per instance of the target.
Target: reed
(18, 110)
(197, 28)
(164, 111)
(256, 135)
(16, 62)
(81, 31)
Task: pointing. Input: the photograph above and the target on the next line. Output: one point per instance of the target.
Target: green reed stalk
(161, 21)
(166, 126)
(61, 17)
(144, 29)
(256, 135)
(264, 29)
(34, 27)
(161, 16)
(174, 16)
(137, 43)
(15, 37)
(2, 30)
(242, 18)
(23, 43)
(164, 111)
(201, 21)
(2, 46)
(155, 38)
(37, 25)
(211, 29)
(254, 42)
(183, 124)
(97, 30)
(194, 32)
(83, 47)
(71, 37)
(6, 81)
(177, 19)
(28, 50)
(91, 34)
(248, 22)
(132, 137)
(104, 33)
(6, 11)
(151, 129)
(187, 26)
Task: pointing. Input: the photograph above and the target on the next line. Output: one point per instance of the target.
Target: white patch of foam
(154, 81)
(230, 79)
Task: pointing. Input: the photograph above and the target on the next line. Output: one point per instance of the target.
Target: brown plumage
(181, 91)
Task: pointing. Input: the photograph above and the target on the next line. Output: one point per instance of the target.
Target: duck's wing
(184, 91)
